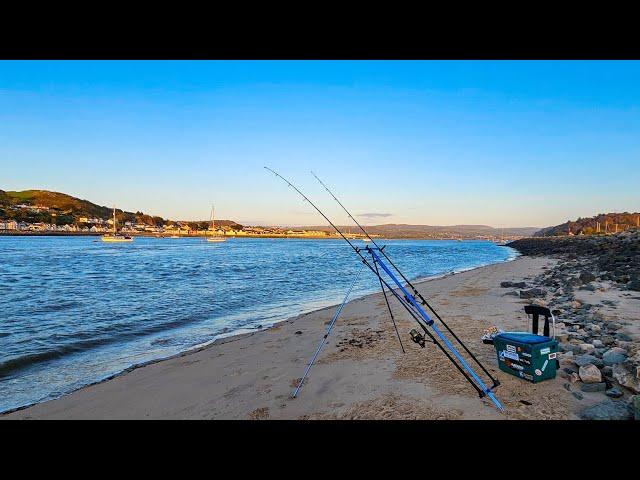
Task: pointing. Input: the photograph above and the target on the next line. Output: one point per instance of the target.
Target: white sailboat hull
(116, 239)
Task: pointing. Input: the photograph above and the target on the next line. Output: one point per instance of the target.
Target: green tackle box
(526, 355)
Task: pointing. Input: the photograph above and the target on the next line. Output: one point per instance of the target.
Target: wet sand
(360, 374)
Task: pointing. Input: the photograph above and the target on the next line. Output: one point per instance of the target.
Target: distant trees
(598, 225)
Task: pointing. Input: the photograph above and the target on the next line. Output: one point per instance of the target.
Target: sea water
(75, 310)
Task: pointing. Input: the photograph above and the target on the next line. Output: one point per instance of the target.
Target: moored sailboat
(214, 237)
(114, 237)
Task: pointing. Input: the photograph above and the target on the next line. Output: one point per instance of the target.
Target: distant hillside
(61, 209)
(58, 201)
(599, 224)
(4, 198)
(435, 231)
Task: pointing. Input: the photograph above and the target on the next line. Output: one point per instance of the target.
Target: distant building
(9, 225)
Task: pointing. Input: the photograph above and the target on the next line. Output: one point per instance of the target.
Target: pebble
(607, 340)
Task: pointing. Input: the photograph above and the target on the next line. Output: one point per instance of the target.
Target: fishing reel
(417, 337)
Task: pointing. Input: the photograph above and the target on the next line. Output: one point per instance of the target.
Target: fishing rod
(410, 304)
(403, 302)
(408, 282)
(326, 335)
(384, 292)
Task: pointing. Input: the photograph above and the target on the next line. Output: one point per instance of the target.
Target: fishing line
(415, 290)
(409, 302)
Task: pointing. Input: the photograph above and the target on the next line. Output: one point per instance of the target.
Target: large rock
(593, 387)
(624, 337)
(614, 355)
(626, 378)
(533, 293)
(582, 360)
(607, 410)
(587, 347)
(634, 285)
(589, 373)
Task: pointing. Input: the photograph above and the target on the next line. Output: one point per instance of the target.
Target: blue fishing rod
(416, 293)
(410, 304)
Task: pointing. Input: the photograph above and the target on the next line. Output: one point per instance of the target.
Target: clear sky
(500, 143)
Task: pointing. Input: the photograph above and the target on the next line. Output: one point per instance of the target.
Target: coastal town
(40, 212)
(98, 226)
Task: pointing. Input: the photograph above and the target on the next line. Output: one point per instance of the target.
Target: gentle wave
(76, 311)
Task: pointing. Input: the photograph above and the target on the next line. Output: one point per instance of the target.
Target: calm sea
(75, 310)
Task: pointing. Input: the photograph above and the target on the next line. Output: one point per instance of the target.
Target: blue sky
(500, 143)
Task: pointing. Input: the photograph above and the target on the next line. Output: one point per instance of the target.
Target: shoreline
(11, 233)
(229, 337)
(362, 374)
(234, 343)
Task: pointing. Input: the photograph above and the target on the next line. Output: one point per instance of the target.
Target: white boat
(114, 237)
(214, 237)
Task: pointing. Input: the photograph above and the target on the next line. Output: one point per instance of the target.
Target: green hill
(59, 208)
(65, 209)
(54, 200)
(4, 198)
(598, 224)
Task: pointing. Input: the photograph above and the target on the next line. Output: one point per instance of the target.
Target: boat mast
(114, 221)
(213, 220)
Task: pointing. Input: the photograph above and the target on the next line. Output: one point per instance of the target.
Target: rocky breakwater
(594, 286)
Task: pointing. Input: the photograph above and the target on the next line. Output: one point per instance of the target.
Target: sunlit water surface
(75, 310)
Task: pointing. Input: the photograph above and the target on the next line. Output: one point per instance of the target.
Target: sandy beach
(361, 372)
